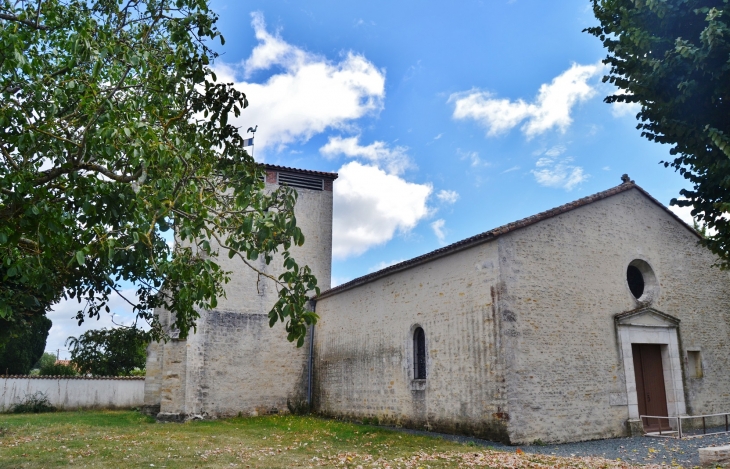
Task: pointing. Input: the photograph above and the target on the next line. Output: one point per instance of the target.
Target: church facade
(564, 326)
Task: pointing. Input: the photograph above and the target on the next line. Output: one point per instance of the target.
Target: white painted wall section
(74, 393)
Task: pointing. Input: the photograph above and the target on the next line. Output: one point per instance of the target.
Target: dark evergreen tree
(23, 344)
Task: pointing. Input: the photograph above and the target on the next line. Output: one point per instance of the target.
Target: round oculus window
(641, 281)
(635, 280)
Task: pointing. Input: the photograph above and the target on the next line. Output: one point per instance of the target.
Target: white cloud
(558, 174)
(684, 213)
(438, 229)
(395, 159)
(606, 168)
(447, 197)
(471, 156)
(271, 50)
(383, 264)
(624, 109)
(513, 168)
(63, 316)
(544, 162)
(310, 94)
(550, 109)
(370, 206)
(557, 150)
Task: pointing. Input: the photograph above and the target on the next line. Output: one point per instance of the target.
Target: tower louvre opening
(301, 181)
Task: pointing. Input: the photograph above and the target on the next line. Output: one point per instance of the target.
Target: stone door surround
(647, 325)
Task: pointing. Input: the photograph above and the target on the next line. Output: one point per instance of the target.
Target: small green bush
(138, 372)
(298, 407)
(57, 370)
(46, 359)
(33, 404)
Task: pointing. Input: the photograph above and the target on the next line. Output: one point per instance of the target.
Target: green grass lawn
(122, 439)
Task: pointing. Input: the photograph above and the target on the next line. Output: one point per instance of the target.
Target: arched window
(419, 354)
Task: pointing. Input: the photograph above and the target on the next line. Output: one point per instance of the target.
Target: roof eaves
(666, 209)
(495, 233)
(323, 174)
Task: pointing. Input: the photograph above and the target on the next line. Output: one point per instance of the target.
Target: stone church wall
(564, 280)
(235, 363)
(522, 330)
(364, 348)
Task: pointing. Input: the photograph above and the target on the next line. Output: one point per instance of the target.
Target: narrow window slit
(419, 351)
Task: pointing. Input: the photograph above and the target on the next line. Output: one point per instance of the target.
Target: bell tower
(235, 363)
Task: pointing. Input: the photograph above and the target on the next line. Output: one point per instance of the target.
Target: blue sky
(444, 120)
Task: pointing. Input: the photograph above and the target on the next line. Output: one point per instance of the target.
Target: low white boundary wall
(68, 393)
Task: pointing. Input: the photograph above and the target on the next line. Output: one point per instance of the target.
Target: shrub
(45, 360)
(298, 407)
(57, 370)
(33, 404)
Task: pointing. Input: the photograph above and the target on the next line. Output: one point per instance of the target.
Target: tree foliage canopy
(673, 58)
(46, 359)
(109, 352)
(113, 131)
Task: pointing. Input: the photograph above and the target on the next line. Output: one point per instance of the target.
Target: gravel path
(636, 450)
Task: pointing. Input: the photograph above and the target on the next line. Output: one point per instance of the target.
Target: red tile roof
(496, 232)
(323, 174)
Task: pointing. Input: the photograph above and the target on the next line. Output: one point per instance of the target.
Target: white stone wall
(564, 280)
(521, 338)
(74, 393)
(234, 362)
(153, 377)
(364, 347)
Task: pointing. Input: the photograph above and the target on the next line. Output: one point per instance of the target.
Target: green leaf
(195, 176)
(5, 311)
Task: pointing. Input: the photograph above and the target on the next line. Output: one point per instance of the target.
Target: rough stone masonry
(530, 330)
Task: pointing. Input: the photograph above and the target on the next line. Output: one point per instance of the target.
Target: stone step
(715, 454)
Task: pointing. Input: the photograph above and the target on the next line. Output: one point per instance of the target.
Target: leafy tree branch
(671, 57)
(114, 131)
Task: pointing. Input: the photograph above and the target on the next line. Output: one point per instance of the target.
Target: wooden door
(650, 390)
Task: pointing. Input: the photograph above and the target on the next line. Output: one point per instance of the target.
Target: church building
(564, 326)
